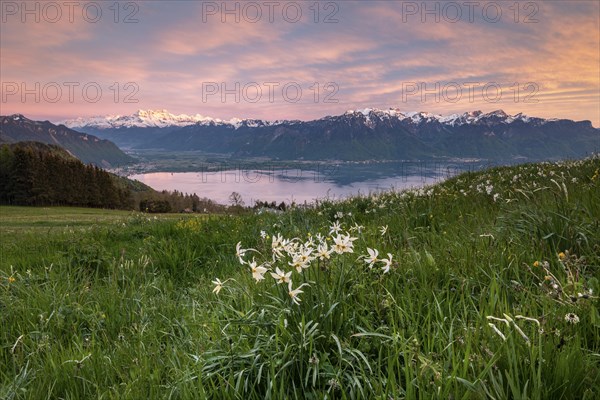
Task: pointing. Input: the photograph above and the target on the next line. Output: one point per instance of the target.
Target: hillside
(89, 149)
(484, 286)
(33, 173)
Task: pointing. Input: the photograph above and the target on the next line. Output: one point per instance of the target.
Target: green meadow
(485, 286)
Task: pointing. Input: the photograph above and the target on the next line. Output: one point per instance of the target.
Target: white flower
(383, 230)
(258, 272)
(294, 293)
(218, 285)
(387, 263)
(263, 234)
(323, 252)
(572, 318)
(309, 243)
(281, 276)
(299, 262)
(372, 258)
(358, 228)
(239, 252)
(339, 215)
(277, 245)
(335, 228)
(343, 244)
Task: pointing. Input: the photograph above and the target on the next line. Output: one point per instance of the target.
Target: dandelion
(536, 264)
(258, 272)
(572, 318)
(383, 230)
(387, 263)
(561, 256)
(281, 276)
(11, 279)
(372, 258)
(218, 285)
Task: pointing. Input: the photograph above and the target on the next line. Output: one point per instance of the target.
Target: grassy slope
(124, 309)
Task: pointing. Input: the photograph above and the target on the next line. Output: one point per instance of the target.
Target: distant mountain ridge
(87, 148)
(355, 135)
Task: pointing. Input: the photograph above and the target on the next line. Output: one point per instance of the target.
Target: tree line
(37, 174)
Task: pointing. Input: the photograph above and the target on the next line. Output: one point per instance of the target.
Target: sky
(299, 59)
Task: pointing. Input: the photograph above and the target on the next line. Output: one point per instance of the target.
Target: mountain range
(87, 148)
(355, 135)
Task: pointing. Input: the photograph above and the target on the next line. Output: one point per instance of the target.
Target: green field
(484, 286)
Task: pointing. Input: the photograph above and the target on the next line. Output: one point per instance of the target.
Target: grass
(492, 292)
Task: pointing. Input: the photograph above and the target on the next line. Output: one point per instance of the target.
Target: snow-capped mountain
(139, 119)
(473, 117)
(164, 119)
(363, 134)
(156, 119)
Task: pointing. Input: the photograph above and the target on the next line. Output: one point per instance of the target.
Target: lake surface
(304, 185)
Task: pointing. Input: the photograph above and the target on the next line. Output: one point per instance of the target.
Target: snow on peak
(158, 119)
(417, 117)
(163, 118)
(140, 119)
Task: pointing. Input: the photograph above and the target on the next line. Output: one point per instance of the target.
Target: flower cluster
(289, 258)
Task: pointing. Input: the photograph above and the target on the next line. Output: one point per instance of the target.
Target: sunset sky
(179, 55)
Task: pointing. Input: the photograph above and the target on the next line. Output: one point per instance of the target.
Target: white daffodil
(218, 285)
(323, 252)
(281, 276)
(387, 263)
(258, 271)
(343, 244)
(335, 228)
(299, 262)
(309, 243)
(372, 258)
(305, 254)
(358, 228)
(295, 292)
(277, 245)
(240, 253)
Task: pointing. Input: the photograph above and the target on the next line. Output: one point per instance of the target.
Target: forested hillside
(38, 174)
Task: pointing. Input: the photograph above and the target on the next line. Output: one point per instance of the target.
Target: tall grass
(492, 292)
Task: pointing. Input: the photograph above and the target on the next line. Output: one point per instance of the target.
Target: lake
(319, 181)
